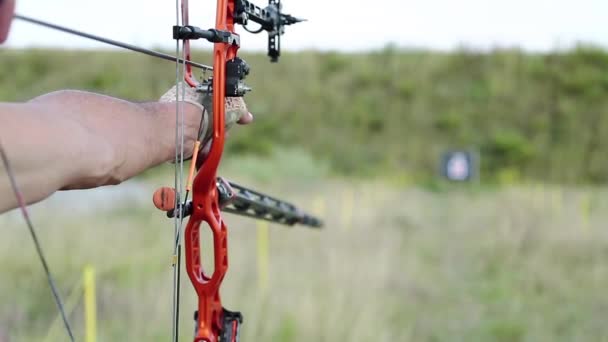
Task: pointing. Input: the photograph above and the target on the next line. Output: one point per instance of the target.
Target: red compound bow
(210, 194)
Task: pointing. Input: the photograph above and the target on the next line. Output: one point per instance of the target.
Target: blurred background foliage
(383, 114)
(343, 135)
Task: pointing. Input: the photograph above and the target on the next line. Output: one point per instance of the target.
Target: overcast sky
(335, 24)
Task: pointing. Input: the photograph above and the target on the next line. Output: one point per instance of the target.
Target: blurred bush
(383, 113)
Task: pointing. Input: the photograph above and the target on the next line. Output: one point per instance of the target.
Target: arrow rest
(236, 72)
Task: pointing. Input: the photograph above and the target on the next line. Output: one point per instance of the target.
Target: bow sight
(269, 18)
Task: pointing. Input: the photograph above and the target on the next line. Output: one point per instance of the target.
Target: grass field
(396, 261)
(524, 263)
(535, 117)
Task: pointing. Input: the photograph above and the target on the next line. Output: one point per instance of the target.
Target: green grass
(416, 260)
(393, 264)
(386, 113)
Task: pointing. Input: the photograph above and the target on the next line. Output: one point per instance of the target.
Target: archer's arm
(74, 140)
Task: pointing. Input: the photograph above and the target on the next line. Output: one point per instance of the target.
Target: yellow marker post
(539, 196)
(558, 200)
(347, 209)
(90, 305)
(262, 246)
(318, 206)
(586, 211)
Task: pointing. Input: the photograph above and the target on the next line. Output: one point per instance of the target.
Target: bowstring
(30, 226)
(179, 161)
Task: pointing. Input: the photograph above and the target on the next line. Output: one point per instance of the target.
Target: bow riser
(205, 200)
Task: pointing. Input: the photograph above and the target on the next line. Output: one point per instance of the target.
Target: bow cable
(30, 226)
(111, 42)
(180, 85)
(177, 221)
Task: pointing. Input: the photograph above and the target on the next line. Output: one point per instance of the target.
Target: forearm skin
(74, 140)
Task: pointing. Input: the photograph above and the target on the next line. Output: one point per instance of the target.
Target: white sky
(335, 24)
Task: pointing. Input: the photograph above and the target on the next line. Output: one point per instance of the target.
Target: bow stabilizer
(239, 200)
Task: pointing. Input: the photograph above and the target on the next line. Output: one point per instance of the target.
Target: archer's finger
(203, 154)
(246, 119)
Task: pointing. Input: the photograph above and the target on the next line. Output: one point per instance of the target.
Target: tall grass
(533, 117)
(392, 264)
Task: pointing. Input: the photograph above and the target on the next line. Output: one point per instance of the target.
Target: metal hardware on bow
(239, 200)
(210, 194)
(213, 323)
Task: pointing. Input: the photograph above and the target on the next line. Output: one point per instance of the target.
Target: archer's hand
(236, 109)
